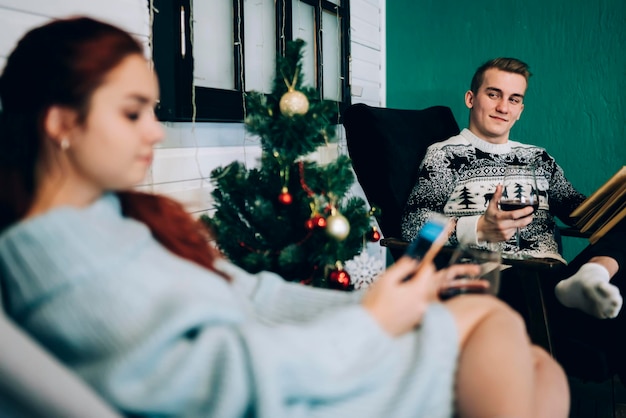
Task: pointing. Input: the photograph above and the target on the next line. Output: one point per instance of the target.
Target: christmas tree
(290, 215)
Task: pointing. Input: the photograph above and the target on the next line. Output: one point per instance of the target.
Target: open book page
(621, 214)
(598, 212)
(606, 209)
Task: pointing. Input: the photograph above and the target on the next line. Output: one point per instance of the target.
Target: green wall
(575, 106)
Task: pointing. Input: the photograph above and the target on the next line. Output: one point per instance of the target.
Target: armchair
(34, 384)
(386, 147)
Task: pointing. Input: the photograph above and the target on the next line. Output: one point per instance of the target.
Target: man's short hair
(510, 65)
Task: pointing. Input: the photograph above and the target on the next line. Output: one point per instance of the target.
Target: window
(209, 53)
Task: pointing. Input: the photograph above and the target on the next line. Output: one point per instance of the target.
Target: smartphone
(429, 240)
(433, 232)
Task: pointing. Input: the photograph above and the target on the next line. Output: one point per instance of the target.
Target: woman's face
(113, 148)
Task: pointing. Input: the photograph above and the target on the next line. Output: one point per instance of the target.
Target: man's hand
(496, 225)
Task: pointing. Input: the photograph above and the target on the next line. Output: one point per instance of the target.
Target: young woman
(123, 288)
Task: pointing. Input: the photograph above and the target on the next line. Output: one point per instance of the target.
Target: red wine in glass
(464, 287)
(514, 204)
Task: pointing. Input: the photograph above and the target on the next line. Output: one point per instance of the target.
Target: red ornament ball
(373, 235)
(339, 279)
(285, 197)
(317, 221)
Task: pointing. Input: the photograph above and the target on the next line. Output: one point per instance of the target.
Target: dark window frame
(175, 71)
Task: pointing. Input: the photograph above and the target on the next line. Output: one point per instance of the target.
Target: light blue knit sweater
(157, 335)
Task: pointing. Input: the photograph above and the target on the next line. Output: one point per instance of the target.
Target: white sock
(590, 291)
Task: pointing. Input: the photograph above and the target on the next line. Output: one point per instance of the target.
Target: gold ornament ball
(294, 103)
(338, 227)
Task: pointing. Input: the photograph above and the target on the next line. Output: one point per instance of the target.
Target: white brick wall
(189, 152)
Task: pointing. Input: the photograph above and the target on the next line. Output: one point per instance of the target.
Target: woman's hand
(398, 305)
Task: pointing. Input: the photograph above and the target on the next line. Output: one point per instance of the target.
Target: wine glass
(487, 281)
(519, 190)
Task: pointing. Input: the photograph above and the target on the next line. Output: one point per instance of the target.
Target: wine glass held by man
(127, 291)
(519, 190)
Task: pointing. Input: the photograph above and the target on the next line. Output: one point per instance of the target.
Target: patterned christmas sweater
(458, 178)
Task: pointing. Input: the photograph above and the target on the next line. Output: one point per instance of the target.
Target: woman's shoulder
(66, 234)
(101, 221)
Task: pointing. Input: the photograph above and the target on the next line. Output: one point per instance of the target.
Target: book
(604, 208)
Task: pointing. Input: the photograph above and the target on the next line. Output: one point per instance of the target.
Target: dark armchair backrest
(386, 147)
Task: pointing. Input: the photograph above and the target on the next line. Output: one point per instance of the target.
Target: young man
(461, 177)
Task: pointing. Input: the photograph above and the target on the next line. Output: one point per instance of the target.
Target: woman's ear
(58, 124)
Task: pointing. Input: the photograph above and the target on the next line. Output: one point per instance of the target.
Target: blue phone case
(426, 236)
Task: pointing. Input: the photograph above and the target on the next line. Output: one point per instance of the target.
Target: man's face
(497, 105)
